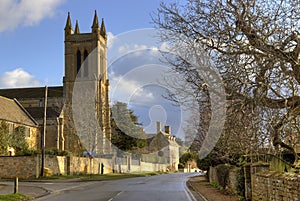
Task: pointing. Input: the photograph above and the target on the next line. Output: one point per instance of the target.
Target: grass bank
(14, 197)
(101, 177)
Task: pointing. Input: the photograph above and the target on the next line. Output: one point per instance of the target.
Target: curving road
(167, 187)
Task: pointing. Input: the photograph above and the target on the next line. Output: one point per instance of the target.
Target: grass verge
(101, 177)
(14, 197)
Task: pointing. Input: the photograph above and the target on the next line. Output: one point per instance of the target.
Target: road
(167, 187)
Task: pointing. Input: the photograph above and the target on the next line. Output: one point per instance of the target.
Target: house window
(78, 62)
(27, 132)
(11, 128)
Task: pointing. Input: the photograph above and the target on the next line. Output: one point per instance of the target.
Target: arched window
(86, 63)
(78, 62)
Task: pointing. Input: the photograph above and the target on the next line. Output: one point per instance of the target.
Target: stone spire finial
(103, 30)
(95, 26)
(77, 31)
(68, 27)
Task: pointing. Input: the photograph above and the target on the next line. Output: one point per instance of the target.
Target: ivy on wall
(15, 138)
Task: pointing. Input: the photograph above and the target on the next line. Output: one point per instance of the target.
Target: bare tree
(255, 46)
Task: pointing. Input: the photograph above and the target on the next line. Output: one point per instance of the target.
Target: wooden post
(43, 137)
(16, 185)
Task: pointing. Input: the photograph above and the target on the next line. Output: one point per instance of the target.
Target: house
(33, 100)
(163, 148)
(15, 120)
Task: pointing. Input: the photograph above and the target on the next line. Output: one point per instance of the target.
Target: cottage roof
(11, 110)
(161, 140)
(34, 92)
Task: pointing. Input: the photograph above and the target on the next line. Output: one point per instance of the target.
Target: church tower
(86, 62)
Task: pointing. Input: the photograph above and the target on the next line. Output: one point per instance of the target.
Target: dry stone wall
(275, 186)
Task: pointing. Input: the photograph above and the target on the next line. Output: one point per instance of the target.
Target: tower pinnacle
(103, 30)
(77, 31)
(68, 27)
(95, 26)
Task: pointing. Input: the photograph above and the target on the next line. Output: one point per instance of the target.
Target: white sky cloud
(124, 90)
(127, 48)
(18, 78)
(110, 39)
(25, 12)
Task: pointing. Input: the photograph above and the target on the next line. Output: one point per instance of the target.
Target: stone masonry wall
(30, 166)
(58, 164)
(220, 174)
(233, 182)
(275, 186)
(18, 166)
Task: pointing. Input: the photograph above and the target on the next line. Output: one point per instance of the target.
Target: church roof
(38, 112)
(12, 111)
(34, 92)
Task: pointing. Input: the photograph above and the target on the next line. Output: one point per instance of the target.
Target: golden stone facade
(85, 63)
(86, 66)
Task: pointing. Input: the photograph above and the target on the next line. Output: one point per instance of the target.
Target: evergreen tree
(126, 131)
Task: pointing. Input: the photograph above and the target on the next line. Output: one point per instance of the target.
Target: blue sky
(32, 48)
(31, 33)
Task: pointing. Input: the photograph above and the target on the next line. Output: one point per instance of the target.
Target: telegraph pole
(43, 137)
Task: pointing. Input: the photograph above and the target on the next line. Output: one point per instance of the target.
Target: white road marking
(115, 196)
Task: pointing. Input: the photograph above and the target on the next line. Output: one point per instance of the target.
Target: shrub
(57, 152)
(214, 184)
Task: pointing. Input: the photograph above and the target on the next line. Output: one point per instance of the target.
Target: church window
(86, 64)
(78, 61)
(41, 103)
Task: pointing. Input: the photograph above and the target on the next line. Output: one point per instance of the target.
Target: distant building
(163, 148)
(61, 133)
(14, 116)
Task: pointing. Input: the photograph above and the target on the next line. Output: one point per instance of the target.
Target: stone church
(80, 68)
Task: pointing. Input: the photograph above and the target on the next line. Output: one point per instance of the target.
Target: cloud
(25, 12)
(18, 78)
(125, 90)
(110, 39)
(131, 48)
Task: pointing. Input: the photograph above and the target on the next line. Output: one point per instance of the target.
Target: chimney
(168, 130)
(158, 126)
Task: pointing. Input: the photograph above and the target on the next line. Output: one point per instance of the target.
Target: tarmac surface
(42, 188)
(32, 191)
(38, 188)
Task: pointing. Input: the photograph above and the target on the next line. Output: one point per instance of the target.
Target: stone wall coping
(268, 174)
(279, 175)
(17, 156)
(260, 164)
